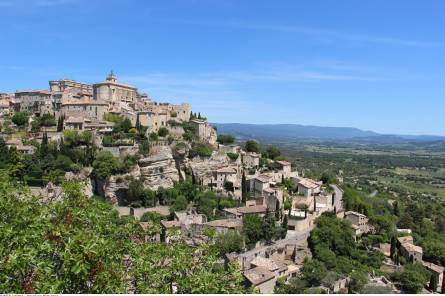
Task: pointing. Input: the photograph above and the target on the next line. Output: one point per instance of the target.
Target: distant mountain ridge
(295, 132)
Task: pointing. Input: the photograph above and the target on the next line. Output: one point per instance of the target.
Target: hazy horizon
(323, 126)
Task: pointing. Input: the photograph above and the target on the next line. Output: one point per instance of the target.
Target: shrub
(232, 156)
(162, 132)
(252, 146)
(225, 139)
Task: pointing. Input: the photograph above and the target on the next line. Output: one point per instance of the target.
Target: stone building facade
(114, 92)
(91, 109)
(33, 101)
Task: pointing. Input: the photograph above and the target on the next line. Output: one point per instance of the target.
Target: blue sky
(376, 65)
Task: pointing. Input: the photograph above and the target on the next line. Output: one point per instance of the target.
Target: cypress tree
(244, 188)
(284, 226)
(396, 208)
(393, 247)
(138, 124)
(44, 145)
(60, 123)
(277, 210)
(433, 282)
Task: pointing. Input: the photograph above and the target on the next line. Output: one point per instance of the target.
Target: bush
(229, 242)
(225, 139)
(202, 150)
(252, 146)
(162, 132)
(232, 156)
(105, 165)
(272, 152)
(20, 118)
(153, 136)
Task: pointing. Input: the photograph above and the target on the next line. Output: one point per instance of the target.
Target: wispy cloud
(334, 34)
(280, 73)
(322, 34)
(28, 3)
(228, 92)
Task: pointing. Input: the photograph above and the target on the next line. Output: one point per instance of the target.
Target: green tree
(268, 227)
(179, 204)
(162, 132)
(144, 147)
(244, 193)
(20, 119)
(284, 225)
(136, 191)
(313, 271)
(434, 281)
(252, 228)
(358, 280)
(105, 165)
(393, 248)
(225, 139)
(272, 152)
(44, 145)
(413, 278)
(229, 242)
(327, 178)
(80, 245)
(252, 146)
(60, 121)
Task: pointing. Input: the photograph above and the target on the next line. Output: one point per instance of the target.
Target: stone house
(261, 279)
(285, 166)
(251, 159)
(32, 101)
(409, 250)
(259, 183)
(26, 149)
(72, 122)
(437, 270)
(149, 237)
(171, 231)
(277, 267)
(231, 148)
(239, 213)
(227, 174)
(91, 109)
(359, 222)
(307, 187)
(225, 225)
(204, 131)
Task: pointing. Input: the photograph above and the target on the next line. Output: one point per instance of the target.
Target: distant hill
(296, 132)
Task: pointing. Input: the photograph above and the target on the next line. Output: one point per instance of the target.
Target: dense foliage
(225, 139)
(80, 245)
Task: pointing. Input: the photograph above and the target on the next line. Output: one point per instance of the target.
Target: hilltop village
(165, 167)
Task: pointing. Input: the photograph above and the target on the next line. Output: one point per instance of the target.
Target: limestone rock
(159, 169)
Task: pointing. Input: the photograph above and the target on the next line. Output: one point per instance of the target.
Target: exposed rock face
(115, 191)
(159, 169)
(115, 188)
(84, 176)
(203, 168)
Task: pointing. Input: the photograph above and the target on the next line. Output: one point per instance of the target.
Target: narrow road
(338, 201)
